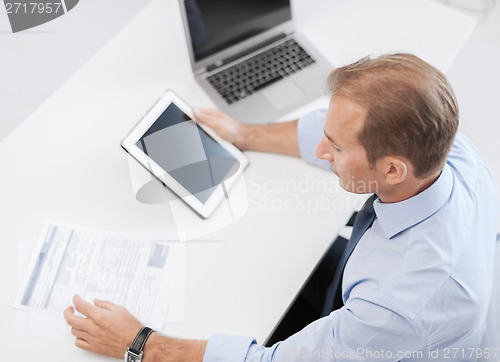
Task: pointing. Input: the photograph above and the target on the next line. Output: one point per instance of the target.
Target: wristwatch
(136, 350)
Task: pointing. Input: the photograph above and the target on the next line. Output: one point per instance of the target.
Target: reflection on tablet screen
(187, 153)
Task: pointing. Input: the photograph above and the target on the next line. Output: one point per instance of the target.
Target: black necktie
(363, 222)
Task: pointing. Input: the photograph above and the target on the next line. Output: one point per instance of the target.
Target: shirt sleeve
(309, 133)
(224, 348)
(364, 331)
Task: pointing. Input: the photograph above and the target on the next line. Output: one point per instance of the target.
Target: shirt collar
(399, 216)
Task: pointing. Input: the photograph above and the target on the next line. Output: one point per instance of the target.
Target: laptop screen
(215, 25)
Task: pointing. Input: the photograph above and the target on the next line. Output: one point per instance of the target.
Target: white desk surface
(65, 163)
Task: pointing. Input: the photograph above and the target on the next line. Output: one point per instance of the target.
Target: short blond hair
(411, 109)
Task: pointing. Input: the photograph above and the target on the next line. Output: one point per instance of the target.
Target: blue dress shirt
(417, 285)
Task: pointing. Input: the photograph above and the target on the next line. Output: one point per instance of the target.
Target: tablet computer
(185, 156)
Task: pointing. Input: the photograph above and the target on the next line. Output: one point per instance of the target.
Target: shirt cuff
(222, 348)
(309, 133)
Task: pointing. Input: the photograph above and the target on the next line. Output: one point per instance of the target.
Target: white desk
(243, 283)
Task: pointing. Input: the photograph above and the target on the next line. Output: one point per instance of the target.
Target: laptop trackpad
(283, 94)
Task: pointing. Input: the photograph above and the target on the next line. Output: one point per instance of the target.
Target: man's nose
(322, 151)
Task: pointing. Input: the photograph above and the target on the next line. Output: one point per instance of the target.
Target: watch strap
(137, 345)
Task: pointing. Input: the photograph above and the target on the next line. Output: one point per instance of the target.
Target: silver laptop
(248, 59)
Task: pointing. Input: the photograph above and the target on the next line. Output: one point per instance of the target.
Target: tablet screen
(187, 153)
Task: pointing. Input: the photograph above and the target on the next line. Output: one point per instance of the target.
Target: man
(417, 285)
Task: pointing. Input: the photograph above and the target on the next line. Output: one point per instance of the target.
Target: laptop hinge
(222, 62)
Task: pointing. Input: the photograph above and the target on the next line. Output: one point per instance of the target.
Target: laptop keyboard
(259, 71)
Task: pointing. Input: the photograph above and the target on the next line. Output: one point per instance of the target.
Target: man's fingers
(69, 313)
(83, 344)
(207, 116)
(198, 113)
(206, 112)
(73, 320)
(85, 307)
(105, 304)
(78, 333)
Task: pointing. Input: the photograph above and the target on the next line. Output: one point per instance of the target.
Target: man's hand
(274, 137)
(224, 125)
(107, 329)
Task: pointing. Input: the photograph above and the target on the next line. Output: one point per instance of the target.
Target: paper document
(137, 274)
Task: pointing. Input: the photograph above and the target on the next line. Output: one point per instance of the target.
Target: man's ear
(396, 170)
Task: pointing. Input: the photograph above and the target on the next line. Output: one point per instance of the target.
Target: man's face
(340, 147)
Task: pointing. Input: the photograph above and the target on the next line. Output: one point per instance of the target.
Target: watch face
(132, 357)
